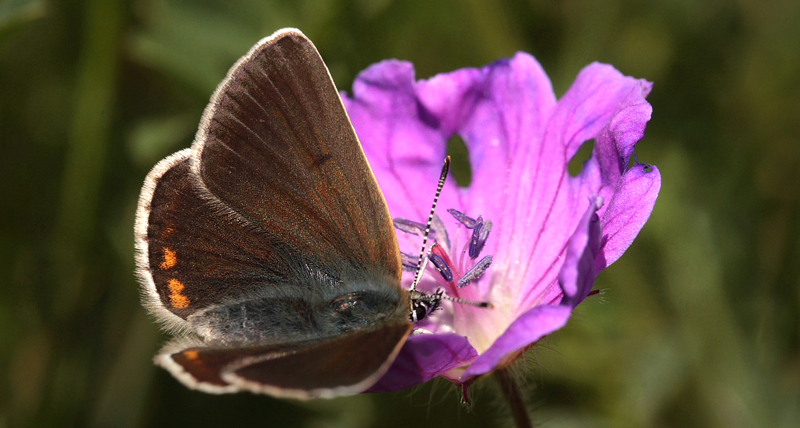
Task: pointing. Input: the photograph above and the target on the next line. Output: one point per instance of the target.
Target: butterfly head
(423, 304)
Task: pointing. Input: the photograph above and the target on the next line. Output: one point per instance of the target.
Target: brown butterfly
(267, 247)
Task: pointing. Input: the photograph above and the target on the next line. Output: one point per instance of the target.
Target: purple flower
(525, 235)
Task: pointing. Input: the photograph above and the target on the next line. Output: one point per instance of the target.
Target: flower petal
(525, 330)
(402, 142)
(423, 357)
(602, 97)
(548, 205)
(503, 109)
(578, 272)
(404, 127)
(496, 110)
(628, 211)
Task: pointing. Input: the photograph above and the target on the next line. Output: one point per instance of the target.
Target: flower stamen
(409, 226)
(479, 236)
(442, 267)
(476, 272)
(464, 219)
(409, 262)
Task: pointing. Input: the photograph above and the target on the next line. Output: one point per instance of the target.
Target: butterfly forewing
(277, 147)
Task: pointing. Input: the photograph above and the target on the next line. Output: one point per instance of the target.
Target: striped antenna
(468, 302)
(423, 260)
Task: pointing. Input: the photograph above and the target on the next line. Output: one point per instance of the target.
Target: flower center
(457, 269)
(457, 266)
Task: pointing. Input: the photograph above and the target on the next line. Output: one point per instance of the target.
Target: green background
(697, 325)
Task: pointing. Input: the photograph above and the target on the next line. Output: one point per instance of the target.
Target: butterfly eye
(419, 311)
(345, 303)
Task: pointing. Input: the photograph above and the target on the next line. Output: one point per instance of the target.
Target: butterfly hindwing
(192, 251)
(302, 371)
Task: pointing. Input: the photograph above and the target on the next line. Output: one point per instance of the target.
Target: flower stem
(513, 395)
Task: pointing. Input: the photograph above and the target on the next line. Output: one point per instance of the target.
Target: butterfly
(267, 247)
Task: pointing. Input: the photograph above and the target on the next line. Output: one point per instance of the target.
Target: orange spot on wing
(175, 286)
(170, 259)
(177, 299)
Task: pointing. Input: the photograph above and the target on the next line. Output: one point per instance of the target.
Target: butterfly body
(275, 315)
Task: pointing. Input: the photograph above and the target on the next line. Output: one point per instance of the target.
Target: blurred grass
(697, 325)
